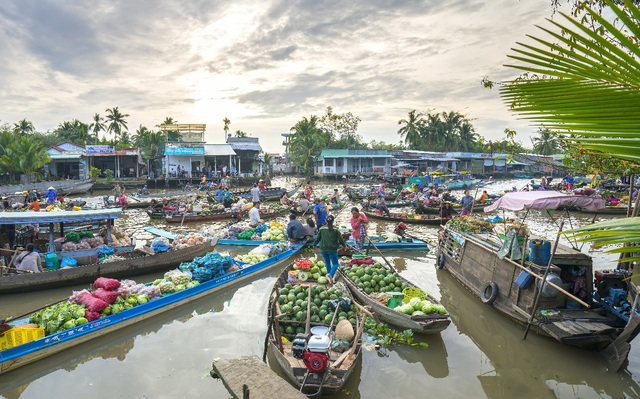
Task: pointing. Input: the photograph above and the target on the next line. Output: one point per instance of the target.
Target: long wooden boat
(270, 194)
(190, 218)
(340, 365)
(425, 324)
(404, 245)
(589, 320)
(357, 196)
(136, 264)
(50, 345)
(430, 220)
(477, 207)
(65, 187)
(392, 204)
(608, 210)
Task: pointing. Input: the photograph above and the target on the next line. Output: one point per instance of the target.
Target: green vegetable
(81, 320)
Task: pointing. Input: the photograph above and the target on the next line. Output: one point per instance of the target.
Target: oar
(393, 269)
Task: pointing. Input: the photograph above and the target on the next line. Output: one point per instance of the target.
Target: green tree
(116, 122)
(171, 135)
(73, 131)
(381, 145)
(594, 71)
(151, 143)
(342, 129)
(468, 138)
(226, 122)
(546, 143)
(97, 125)
(307, 143)
(24, 155)
(411, 130)
(23, 127)
(240, 133)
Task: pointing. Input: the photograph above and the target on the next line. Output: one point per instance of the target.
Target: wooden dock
(260, 381)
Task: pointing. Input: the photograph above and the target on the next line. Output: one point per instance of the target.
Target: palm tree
(547, 143)
(74, 131)
(588, 85)
(23, 127)
(172, 135)
(451, 123)
(433, 132)
(226, 121)
(97, 125)
(467, 136)
(307, 142)
(24, 155)
(411, 129)
(116, 122)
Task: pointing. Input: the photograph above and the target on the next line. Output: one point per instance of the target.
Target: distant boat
(64, 187)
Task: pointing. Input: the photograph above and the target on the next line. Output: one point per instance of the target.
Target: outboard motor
(400, 229)
(612, 291)
(316, 356)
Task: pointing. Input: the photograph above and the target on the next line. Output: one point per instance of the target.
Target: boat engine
(400, 228)
(611, 287)
(316, 355)
(299, 345)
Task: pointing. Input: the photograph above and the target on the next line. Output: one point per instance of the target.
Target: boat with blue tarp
(38, 349)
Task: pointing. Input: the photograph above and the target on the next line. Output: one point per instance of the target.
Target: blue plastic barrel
(539, 252)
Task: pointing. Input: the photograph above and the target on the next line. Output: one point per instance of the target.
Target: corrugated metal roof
(344, 153)
(245, 144)
(65, 156)
(214, 150)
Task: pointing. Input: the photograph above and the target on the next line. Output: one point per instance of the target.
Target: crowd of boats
(549, 288)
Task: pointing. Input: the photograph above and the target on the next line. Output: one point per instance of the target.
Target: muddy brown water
(480, 355)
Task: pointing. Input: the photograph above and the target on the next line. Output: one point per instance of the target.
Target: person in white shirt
(255, 193)
(254, 215)
(303, 205)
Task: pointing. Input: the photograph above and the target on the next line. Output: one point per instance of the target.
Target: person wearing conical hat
(51, 195)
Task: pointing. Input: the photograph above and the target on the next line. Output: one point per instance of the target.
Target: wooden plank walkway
(262, 382)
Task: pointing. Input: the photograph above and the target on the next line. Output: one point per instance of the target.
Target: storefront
(183, 160)
(125, 162)
(67, 162)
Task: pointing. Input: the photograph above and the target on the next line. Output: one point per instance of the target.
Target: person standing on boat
(467, 204)
(223, 182)
(296, 232)
(262, 185)
(254, 215)
(29, 260)
(255, 193)
(359, 224)
(220, 194)
(320, 212)
(308, 190)
(569, 180)
(543, 182)
(330, 240)
(51, 195)
(227, 198)
(116, 190)
(436, 182)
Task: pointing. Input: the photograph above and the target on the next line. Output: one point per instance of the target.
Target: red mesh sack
(94, 304)
(107, 296)
(91, 316)
(108, 284)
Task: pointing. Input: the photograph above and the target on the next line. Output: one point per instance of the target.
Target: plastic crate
(19, 336)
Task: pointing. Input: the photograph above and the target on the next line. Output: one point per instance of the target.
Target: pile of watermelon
(293, 303)
(314, 268)
(374, 278)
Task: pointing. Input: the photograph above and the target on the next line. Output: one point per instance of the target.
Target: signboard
(100, 149)
(184, 150)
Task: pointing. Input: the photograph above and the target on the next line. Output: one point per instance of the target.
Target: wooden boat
(392, 204)
(425, 324)
(587, 321)
(64, 187)
(191, 218)
(357, 196)
(435, 210)
(136, 263)
(340, 365)
(405, 244)
(608, 210)
(273, 213)
(50, 345)
(430, 220)
(270, 194)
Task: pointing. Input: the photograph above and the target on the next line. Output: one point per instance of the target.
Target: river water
(480, 355)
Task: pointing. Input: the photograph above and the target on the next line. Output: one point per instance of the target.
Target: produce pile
(82, 240)
(246, 234)
(315, 268)
(251, 259)
(236, 229)
(189, 240)
(470, 224)
(416, 307)
(174, 281)
(275, 232)
(204, 268)
(262, 252)
(375, 278)
(391, 237)
(292, 301)
(119, 237)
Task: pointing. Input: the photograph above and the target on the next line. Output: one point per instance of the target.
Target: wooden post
(245, 391)
(109, 233)
(52, 247)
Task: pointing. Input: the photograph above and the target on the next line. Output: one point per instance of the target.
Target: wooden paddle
(393, 269)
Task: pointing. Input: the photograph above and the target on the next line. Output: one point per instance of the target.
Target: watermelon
(322, 280)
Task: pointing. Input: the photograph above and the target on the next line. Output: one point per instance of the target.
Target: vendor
(484, 197)
(254, 215)
(296, 232)
(29, 260)
(447, 211)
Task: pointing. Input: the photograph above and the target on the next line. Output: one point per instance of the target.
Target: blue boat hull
(22, 355)
(382, 245)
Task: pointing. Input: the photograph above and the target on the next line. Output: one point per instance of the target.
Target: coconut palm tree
(116, 122)
(587, 83)
(307, 143)
(23, 127)
(74, 131)
(467, 137)
(411, 129)
(171, 135)
(226, 122)
(24, 155)
(546, 143)
(97, 125)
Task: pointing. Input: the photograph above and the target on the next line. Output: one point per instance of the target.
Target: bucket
(293, 276)
(540, 252)
(393, 303)
(413, 293)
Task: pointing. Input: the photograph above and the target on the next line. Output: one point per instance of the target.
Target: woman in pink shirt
(359, 223)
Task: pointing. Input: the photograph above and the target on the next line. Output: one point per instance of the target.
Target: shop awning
(218, 150)
(58, 157)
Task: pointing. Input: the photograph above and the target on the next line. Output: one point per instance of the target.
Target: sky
(262, 64)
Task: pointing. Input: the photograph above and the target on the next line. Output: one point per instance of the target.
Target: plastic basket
(413, 293)
(19, 336)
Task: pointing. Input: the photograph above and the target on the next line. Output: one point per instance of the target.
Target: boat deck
(260, 380)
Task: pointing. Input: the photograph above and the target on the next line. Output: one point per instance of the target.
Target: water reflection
(538, 367)
(433, 359)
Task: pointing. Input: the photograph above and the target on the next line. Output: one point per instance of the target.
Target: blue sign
(184, 151)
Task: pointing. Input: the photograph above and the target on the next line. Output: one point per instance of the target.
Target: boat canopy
(542, 200)
(59, 216)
